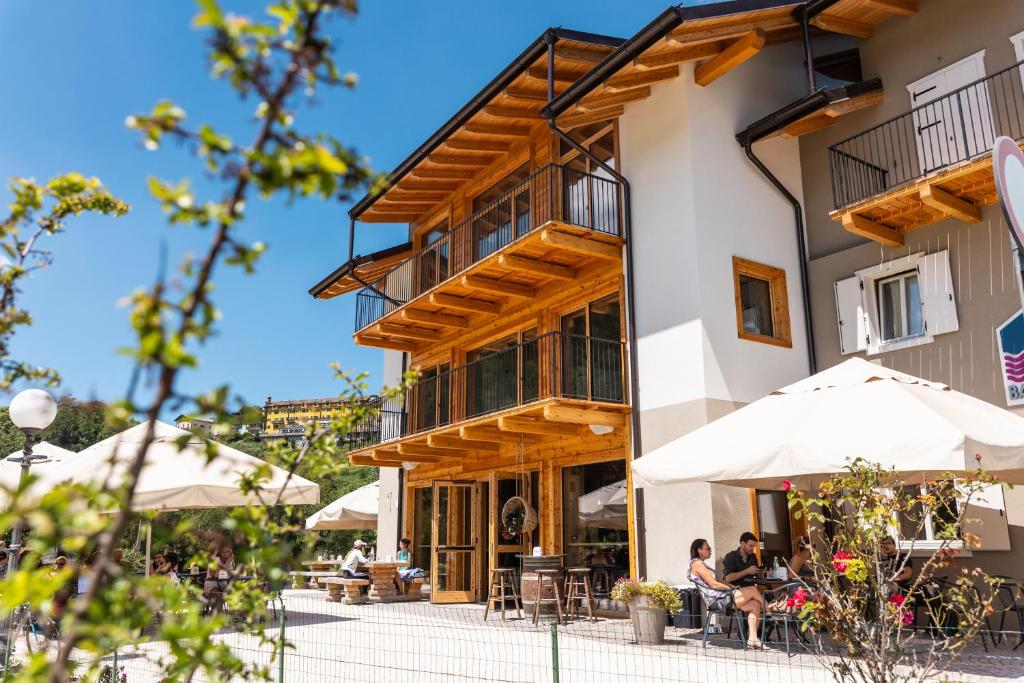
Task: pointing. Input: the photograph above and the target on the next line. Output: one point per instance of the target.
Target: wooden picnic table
(323, 565)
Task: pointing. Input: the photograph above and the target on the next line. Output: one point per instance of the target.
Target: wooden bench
(299, 578)
(345, 591)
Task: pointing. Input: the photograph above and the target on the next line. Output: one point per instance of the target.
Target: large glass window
(502, 373)
(591, 196)
(596, 523)
(423, 502)
(430, 396)
(773, 528)
(591, 353)
(501, 213)
(432, 259)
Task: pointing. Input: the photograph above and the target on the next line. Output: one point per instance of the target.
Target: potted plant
(649, 606)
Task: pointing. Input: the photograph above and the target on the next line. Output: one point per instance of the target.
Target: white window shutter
(937, 296)
(850, 314)
(986, 517)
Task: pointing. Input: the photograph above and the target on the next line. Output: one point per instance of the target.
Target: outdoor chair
(781, 621)
(1009, 601)
(728, 615)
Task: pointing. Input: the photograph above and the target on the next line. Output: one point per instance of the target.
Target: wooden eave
(955, 192)
(550, 256)
(719, 44)
(500, 128)
(548, 419)
(366, 268)
(829, 114)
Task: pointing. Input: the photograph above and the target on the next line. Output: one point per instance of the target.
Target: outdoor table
(323, 565)
(528, 580)
(384, 580)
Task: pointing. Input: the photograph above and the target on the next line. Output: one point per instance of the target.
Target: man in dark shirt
(740, 565)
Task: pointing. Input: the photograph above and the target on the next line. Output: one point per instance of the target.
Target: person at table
(355, 558)
(404, 551)
(896, 568)
(170, 566)
(740, 565)
(218, 573)
(800, 564)
(722, 595)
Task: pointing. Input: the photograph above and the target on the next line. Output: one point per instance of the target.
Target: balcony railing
(554, 365)
(550, 193)
(956, 127)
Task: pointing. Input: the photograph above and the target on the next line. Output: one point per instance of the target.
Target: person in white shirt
(355, 557)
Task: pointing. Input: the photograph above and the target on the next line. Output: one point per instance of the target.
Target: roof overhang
(350, 275)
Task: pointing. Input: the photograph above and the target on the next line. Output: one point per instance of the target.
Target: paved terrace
(423, 643)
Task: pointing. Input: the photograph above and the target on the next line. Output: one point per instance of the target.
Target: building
(191, 423)
(618, 241)
(290, 420)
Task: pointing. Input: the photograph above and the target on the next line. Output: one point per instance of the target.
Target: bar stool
(577, 589)
(502, 580)
(551, 575)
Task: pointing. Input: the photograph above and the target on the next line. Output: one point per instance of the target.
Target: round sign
(1008, 168)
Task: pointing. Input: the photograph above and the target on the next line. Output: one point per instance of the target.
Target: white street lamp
(31, 411)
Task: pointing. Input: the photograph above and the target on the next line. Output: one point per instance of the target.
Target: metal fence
(551, 193)
(412, 642)
(940, 133)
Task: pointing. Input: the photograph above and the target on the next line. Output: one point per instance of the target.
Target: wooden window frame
(776, 279)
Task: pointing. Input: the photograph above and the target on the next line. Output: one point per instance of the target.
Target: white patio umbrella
(48, 471)
(815, 427)
(354, 510)
(605, 507)
(183, 478)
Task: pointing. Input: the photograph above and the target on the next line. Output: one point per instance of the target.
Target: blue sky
(73, 71)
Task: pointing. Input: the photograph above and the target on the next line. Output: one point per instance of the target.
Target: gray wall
(903, 50)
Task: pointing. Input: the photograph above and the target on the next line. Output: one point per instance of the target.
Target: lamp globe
(32, 410)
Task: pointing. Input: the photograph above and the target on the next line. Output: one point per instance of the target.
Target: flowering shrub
(798, 599)
(839, 561)
(658, 594)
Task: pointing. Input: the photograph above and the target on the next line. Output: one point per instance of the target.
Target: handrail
(959, 126)
(552, 192)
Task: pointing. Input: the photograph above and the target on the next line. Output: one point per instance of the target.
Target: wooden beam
(532, 425)
(581, 54)
(449, 441)
(950, 204)
(504, 129)
(408, 332)
(808, 124)
(640, 78)
(846, 27)
(865, 227)
(377, 343)
(416, 316)
(396, 456)
(457, 160)
(905, 7)
(511, 112)
(367, 461)
(428, 185)
(686, 35)
(581, 245)
(583, 118)
(609, 99)
(728, 59)
(413, 449)
(855, 103)
(526, 94)
(477, 145)
(372, 217)
(444, 173)
(540, 73)
(464, 304)
(583, 416)
(513, 262)
(486, 284)
(384, 207)
(401, 195)
(678, 55)
(478, 433)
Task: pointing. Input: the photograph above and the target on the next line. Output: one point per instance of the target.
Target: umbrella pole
(149, 543)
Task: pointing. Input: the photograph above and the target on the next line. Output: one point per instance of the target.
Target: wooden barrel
(529, 582)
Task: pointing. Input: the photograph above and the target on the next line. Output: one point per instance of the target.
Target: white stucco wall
(697, 202)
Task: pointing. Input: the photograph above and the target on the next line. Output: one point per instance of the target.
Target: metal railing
(550, 193)
(553, 365)
(950, 129)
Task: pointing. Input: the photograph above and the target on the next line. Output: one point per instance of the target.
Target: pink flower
(787, 485)
(977, 456)
(908, 618)
(839, 561)
(799, 598)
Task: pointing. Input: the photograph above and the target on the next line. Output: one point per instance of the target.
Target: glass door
(455, 542)
(505, 544)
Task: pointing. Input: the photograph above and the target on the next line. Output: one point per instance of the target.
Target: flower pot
(648, 622)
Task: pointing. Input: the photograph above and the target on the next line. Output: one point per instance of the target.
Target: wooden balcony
(556, 386)
(556, 227)
(928, 164)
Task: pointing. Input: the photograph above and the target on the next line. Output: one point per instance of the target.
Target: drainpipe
(631, 339)
(801, 246)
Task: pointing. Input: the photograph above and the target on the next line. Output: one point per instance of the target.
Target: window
(899, 307)
(591, 353)
(502, 373)
(501, 213)
(762, 303)
(432, 259)
(920, 526)
(429, 398)
(903, 302)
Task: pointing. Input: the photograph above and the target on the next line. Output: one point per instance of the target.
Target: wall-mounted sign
(1011, 357)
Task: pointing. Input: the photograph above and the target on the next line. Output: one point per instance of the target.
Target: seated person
(800, 564)
(355, 557)
(170, 566)
(896, 568)
(404, 551)
(721, 595)
(406, 575)
(740, 565)
(218, 574)
(156, 564)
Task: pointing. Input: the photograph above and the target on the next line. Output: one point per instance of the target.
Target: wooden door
(456, 542)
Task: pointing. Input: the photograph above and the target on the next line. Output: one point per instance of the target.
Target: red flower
(897, 599)
(977, 456)
(787, 485)
(839, 561)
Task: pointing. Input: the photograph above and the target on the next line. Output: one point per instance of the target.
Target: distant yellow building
(289, 420)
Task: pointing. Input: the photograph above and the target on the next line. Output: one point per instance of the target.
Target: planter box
(648, 622)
